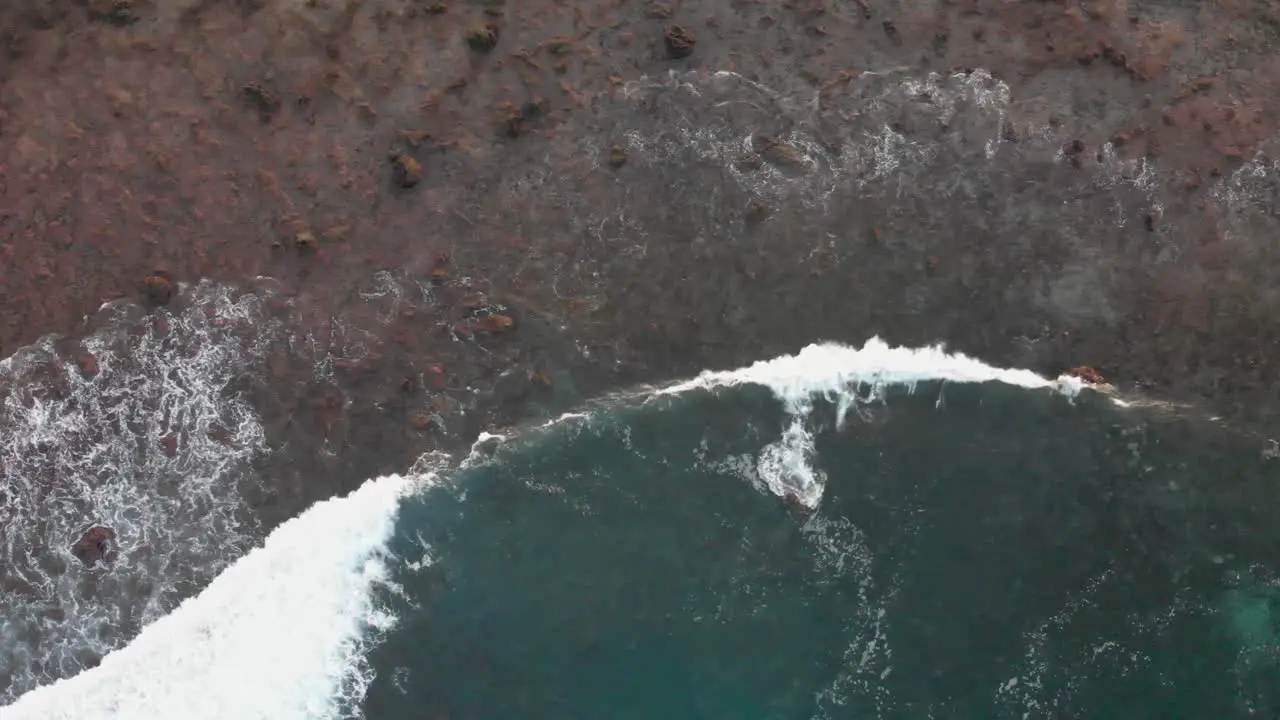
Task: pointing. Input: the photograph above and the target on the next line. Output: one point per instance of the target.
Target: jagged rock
(158, 288)
(494, 324)
(1088, 374)
(679, 41)
(87, 363)
(483, 37)
(95, 546)
(617, 156)
(406, 170)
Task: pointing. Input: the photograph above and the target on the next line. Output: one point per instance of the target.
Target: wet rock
(113, 12)
(493, 324)
(778, 153)
(13, 44)
(482, 37)
(512, 120)
(406, 170)
(305, 241)
(749, 162)
(660, 11)
(87, 363)
(262, 100)
(679, 41)
(1088, 374)
(95, 546)
(434, 376)
(473, 302)
(757, 211)
(157, 289)
(891, 32)
(617, 156)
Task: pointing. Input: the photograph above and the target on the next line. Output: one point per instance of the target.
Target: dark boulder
(95, 546)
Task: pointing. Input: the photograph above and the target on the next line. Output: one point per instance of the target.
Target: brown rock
(778, 153)
(169, 444)
(757, 211)
(87, 363)
(406, 170)
(113, 12)
(679, 42)
(891, 32)
(617, 156)
(1088, 374)
(157, 289)
(512, 120)
(434, 376)
(420, 421)
(482, 37)
(494, 324)
(95, 546)
(660, 11)
(262, 100)
(749, 162)
(305, 240)
(473, 302)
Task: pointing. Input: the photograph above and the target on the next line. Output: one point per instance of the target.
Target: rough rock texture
(1082, 183)
(95, 546)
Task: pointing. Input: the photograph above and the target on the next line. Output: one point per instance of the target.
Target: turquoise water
(979, 552)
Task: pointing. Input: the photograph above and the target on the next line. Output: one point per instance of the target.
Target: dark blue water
(1003, 553)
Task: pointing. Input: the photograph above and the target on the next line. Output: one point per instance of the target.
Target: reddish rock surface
(95, 546)
(245, 139)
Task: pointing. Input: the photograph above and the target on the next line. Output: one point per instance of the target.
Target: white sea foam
(89, 448)
(276, 636)
(848, 377)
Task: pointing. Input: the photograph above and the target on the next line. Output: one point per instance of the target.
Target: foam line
(839, 372)
(274, 637)
(832, 367)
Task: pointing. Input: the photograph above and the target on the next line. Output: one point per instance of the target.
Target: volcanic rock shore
(506, 159)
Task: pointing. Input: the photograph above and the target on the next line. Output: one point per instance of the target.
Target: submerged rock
(157, 288)
(95, 546)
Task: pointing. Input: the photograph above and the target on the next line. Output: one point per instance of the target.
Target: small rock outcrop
(95, 546)
(679, 41)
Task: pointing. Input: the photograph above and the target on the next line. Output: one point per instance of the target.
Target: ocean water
(843, 533)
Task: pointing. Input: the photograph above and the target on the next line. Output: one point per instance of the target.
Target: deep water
(980, 551)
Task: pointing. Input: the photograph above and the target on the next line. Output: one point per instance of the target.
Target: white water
(848, 377)
(80, 450)
(271, 638)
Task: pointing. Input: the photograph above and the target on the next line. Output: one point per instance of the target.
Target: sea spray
(276, 636)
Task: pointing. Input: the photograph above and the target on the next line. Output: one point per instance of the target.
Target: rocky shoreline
(1079, 184)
